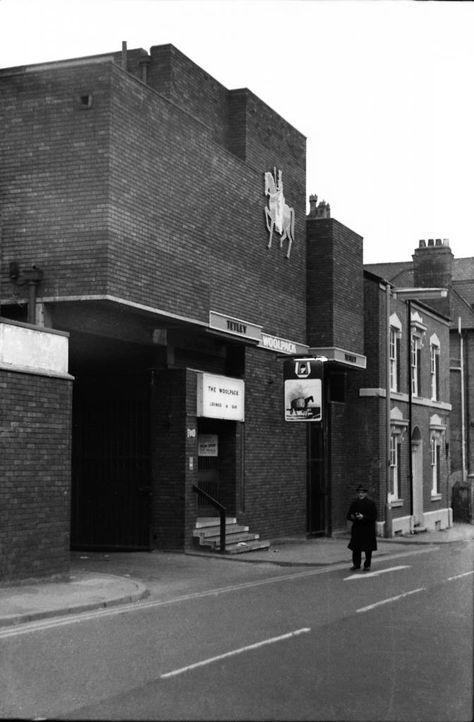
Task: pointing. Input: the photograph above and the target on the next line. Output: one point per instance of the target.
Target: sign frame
(303, 390)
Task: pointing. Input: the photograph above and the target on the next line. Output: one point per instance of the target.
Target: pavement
(99, 580)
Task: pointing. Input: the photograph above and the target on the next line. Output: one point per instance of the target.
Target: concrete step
(238, 539)
(206, 521)
(230, 540)
(215, 531)
(419, 529)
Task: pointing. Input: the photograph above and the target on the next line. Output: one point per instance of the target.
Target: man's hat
(361, 488)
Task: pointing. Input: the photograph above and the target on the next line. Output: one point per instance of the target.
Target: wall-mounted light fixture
(30, 277)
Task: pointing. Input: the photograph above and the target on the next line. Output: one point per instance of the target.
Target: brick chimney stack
(321, 210)
(433, 268)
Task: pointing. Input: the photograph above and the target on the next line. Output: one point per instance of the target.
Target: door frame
(417, 481)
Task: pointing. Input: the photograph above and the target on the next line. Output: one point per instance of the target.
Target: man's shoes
(366, 569)
(353, 569)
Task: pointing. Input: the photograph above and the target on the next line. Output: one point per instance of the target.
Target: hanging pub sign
(303, 381)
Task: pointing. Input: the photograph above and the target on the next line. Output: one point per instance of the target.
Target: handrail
(221, 509)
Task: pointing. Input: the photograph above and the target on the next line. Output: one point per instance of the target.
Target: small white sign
(208, 445)
(38, 349)
(220, 397)
(282, 345)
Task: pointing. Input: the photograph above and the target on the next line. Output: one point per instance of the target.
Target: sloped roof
(465, 289)
(462, 296)
(463, 269)
(460, 308)
(400, 274)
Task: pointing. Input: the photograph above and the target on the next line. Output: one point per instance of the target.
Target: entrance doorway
(417, 466)
(217, 464)
(111, 485)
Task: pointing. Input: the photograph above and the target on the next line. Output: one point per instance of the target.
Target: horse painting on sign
(300, 404)
(278, 215)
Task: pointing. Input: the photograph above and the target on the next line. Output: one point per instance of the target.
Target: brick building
(157, 220)
(396, 443)
(433, 264)
(138, 185)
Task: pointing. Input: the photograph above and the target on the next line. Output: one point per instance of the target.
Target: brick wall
(188, 223)
(165, 216)
(35, 428)
(174, 504)
(53, 177)
(275, 453)
(335, 285)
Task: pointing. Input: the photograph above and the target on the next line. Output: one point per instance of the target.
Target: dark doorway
(217, 464)
(317, 482)
(111, 485)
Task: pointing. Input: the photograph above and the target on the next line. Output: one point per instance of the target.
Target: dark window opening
(85, 101)
(337, 387)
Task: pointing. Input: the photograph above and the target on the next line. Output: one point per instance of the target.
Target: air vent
(85, 101)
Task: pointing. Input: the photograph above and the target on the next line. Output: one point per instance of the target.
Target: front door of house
(417, 466)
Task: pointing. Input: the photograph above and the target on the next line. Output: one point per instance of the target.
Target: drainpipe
(32, 277)
(388, 530)
(463, 401)
(410, 416)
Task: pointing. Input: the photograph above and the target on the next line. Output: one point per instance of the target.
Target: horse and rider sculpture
(278, 215)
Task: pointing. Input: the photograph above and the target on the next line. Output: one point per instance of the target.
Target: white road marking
(210, 660)
(375, 574)
(459, 576)
(390, 599)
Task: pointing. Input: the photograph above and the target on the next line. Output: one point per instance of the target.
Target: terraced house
(434, 264)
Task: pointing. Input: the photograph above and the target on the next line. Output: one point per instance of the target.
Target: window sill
(394, 503)
(436, 497)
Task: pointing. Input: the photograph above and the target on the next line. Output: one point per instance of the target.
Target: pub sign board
(220, 397)
(303, 382)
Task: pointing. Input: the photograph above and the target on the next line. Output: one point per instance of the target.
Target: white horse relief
(278, 215)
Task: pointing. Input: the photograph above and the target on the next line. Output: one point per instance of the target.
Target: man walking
(363, 514)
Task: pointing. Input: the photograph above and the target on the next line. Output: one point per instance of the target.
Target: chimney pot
(430, 241)
(422, 243)
(124, 54)
(313, 200)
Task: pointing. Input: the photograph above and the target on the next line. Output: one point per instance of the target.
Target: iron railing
(221, 509)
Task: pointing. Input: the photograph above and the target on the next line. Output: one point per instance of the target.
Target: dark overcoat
(363, 537)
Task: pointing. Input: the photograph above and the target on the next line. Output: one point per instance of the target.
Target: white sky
(383, 91)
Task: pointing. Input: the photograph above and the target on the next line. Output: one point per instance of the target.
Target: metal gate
(111, 485)
(317, 483)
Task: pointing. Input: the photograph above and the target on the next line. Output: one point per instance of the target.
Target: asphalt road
(300, 644)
